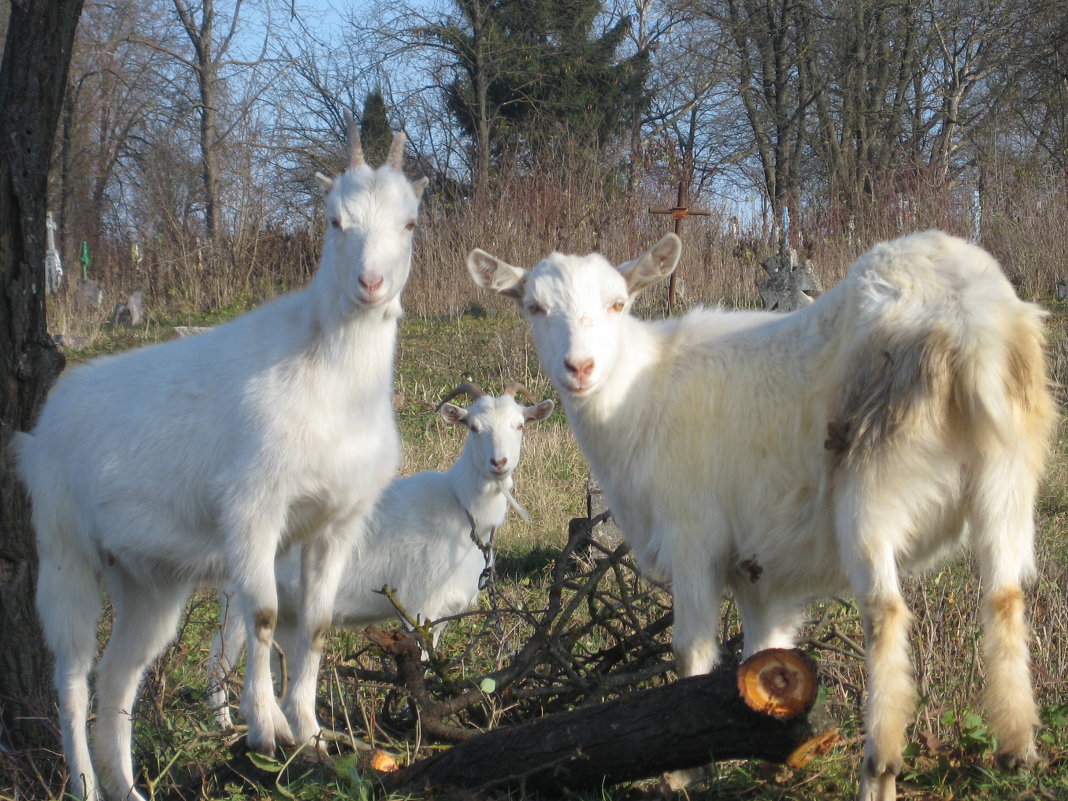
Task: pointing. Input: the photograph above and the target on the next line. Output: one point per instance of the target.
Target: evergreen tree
(375, 133)
(533, 73)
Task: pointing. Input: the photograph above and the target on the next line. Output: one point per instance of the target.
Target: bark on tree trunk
(33, 76)
(684, 724)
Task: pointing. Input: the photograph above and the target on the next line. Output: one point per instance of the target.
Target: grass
(181, 756)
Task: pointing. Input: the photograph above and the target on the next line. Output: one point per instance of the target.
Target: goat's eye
(618, 306)
(535, 308)
(519, 427)
(335, 222)
(476, 428)
(410, 226)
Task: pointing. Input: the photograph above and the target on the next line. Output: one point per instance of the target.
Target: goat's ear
(420, 186)
(326, 184)
(539, 411)
(656, 264)
(454, 415)
(489, 272)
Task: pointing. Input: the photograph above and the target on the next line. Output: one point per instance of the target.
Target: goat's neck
(610, 423)
(336, 325)
(335, 310)
(483, 498)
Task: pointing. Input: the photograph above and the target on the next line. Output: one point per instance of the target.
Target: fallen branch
(680, 725)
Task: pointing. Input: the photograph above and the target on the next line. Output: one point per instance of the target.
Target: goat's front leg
(322, 561)
(698, 581)
(697, 586)
(251, 551)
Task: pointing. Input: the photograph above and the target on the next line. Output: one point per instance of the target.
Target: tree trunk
(684, 724)
(32, 80)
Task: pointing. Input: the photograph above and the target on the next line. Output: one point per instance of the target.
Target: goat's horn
(514, 388)
(466, 388)
(355, 148)
(396, 150)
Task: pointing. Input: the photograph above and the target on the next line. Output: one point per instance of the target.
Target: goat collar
(486, 577)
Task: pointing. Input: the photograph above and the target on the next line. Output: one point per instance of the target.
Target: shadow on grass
(526, 564)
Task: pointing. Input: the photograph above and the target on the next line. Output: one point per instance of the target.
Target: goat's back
(416, 541)
(742, 421)
(940, 346)
(142, 451)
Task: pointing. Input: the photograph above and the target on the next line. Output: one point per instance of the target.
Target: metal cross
(679, 212)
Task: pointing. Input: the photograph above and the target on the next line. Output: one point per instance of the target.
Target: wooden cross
(679, 212)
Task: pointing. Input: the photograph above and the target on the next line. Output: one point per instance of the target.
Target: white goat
(791, 456)
(421, 538)
(198, 459)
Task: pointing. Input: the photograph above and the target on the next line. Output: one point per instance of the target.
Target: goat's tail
(942, 350)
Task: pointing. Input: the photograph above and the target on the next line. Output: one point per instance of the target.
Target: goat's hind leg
(865, 541)
(69, 603)
(145, 618)
(1001, 516)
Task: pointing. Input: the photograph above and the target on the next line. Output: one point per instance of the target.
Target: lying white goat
(429, 537)
(197, 459)
(791, 456)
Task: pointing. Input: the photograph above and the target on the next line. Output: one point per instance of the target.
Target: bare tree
(113, 90)
(1034, 87)
(32, 77)
(874, 51)
(768, 43)
(213, 34)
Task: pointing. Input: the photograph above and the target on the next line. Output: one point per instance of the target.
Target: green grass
(182, 756)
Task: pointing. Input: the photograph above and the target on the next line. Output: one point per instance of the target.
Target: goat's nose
(371, 281)
(581, 369)
(498, 463)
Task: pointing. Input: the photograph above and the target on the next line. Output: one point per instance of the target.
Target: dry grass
(455, 334)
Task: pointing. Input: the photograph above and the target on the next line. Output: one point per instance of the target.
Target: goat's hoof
(270, 733)
(305, 728)
(678, 780)
(282, 731)
(264, 745)
(881, 787)
(1013, 762)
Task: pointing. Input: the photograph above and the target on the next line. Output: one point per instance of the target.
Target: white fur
(193, 460)
(785, 457)
(418, 539)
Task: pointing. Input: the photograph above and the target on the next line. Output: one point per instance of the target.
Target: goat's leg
(225, 653)
(256, 521)
(68, 601)
(767, 622)
(322, 560)
(1001, 517)
(698, 581)
(697, 584)
(145, 618)
(865, 539)
(267, 725)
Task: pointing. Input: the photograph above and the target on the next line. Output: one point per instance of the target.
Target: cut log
(684, 724)
(778, 682)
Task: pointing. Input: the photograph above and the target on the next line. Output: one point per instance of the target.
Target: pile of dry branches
(597, 631)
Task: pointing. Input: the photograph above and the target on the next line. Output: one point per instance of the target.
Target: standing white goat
(792, 456)
(198, 459)
(429, 537)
